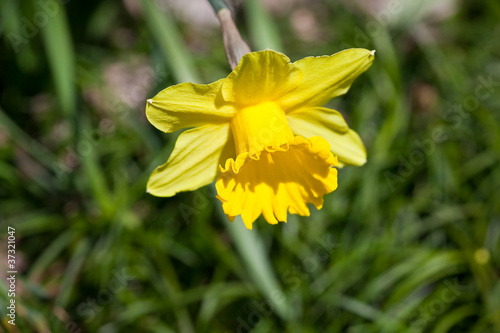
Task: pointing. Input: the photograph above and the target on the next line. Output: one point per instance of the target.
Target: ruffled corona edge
(277, 180)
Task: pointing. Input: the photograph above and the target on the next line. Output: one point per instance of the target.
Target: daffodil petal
(188, 105)
(320, 116)
(193, 163)
(345, 144)
(326, 77)
(261, 76)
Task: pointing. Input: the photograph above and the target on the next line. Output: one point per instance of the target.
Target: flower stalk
(234, 45)
(218, 5)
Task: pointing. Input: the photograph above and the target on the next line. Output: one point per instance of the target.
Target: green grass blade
(263, 32)
(169, 40)
(68, 281)
(61, 57)
(252, 250)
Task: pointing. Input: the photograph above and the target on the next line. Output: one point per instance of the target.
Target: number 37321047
(11, 247)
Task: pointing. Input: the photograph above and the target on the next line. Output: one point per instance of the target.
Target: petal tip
(372, 52)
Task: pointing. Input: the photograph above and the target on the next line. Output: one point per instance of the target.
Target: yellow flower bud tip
(261, 133)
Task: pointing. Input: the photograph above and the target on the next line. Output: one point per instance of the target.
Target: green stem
(218, 5)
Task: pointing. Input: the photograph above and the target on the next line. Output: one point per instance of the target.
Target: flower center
(260, 126)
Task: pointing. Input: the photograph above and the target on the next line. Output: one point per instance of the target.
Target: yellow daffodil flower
(262, 133)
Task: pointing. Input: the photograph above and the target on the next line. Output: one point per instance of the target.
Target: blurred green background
(410, 242)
